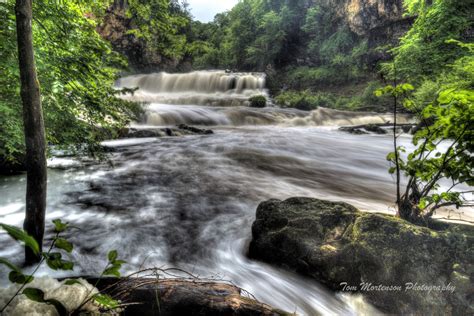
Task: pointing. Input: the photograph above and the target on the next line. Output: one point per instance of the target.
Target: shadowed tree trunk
(34, 129)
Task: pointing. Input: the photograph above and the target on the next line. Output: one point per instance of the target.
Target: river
(190, 201)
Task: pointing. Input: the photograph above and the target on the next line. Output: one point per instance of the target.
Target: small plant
(443, 150)
(55, 261)
(258, 101)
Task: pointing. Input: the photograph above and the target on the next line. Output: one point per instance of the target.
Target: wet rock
(195, 130)
(375, 129)
(161, 132)
(352, 130)
(380, 129)
(145, 133)
(177, 297)
(336, 244)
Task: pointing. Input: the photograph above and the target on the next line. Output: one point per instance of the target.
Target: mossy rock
(258, 101)
(334, 243)
(304, 105)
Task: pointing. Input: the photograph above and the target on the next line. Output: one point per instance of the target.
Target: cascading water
(221, 98)
(189, 202)
(218, 88)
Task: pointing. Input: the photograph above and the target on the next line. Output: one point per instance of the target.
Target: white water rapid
(190, 201)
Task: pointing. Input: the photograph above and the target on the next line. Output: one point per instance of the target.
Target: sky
(205, 10)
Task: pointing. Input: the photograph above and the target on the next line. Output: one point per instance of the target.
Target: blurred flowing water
(189, 202)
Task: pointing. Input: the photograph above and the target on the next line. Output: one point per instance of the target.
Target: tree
(77, 70)
(34, 130)
(443, 143)
(423, 50)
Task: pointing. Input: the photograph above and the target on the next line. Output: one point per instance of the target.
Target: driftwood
(151, 296)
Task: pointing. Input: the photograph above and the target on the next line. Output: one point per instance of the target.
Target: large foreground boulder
(399, 267)
(174, 297)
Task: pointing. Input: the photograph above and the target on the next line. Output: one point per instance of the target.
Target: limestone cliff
(365, 15)
(381, 22)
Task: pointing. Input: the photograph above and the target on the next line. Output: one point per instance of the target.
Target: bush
(311, 77)
(305, 100)
(258, 101)
(304, 105)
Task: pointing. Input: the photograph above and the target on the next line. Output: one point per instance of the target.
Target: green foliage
(443, 145)
(425, 50)
(55, 261)
(258, 101)
(305, 100)
(114, 265)
(76, 71)
(308, 77)
(106, 301)
(310, 101)
(21, 236)
(161, 25)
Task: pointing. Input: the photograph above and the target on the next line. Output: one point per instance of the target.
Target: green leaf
(112, 255)
(120, 262)
(21, 236)
(54, 261)
(113, 271)
(19, 278)
(59, 226)
(72, 282)
(106, 301)
(35, 295)
(10, 265)
(63, 244)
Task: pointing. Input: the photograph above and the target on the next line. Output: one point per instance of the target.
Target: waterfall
(214, 88)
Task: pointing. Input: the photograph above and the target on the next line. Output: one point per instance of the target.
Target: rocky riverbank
(399, 267)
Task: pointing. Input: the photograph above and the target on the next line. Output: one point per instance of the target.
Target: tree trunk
(34, 129)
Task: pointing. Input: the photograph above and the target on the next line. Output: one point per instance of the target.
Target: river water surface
(190, 201)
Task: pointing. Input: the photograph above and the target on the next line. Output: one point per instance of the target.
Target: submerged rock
(380, 129)
(180, 130)
(195, 130)
(353, 130)
(399, 267)
(179, 297)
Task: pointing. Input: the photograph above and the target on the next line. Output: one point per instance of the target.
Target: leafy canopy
(76, 71)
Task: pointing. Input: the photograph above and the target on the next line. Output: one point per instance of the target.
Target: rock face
(115, 29)
(336, 244)
(170, 297)
(362, 16)
(365, 15)
(381, 22)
